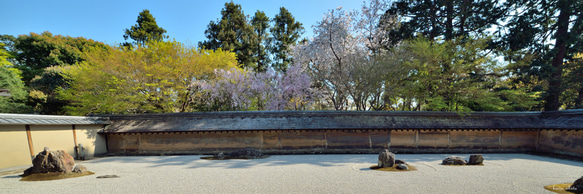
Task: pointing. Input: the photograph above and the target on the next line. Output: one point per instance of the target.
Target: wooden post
(500, 140)
(416, 138)
(78, 149)
(74, 135)
(30, 146)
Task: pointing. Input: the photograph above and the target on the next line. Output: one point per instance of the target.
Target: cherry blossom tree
(245, 90)
(345, 57)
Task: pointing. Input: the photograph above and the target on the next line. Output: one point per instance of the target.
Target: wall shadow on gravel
(194, 161)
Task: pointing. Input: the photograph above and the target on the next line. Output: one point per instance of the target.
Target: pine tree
(286, 32)
(260, 24)
(445, 18)
(145, 30)
(231, 32)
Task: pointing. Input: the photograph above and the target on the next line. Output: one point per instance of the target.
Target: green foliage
(10, 79)
(154, 78)
(251, 40)
(572, 97)
(43, 95)
(260, 24)
(231, 33)
(35, 52)
(38, 56)
(145, 30)
(454, 75)
(445, 19)
(286, 32)
(552, 32)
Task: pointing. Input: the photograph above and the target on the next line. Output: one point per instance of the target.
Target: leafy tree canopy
(35, 52)
(154, 78)
(10, 79)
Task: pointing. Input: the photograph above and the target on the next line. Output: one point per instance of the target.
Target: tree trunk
(554, 91)
(449, 20)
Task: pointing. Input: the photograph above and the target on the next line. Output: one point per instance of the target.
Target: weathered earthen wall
(55, 137)
(519, 140)
(14, 149)
(323, 141)
(569, 142)
(20, 145)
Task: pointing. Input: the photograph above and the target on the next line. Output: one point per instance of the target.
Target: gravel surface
(501, 173)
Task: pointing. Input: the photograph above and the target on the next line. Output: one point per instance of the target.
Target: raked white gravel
(501, 173)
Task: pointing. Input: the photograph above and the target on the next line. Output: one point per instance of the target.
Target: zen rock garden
(51, 165)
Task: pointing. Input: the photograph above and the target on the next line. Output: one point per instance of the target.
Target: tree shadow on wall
(98, 141)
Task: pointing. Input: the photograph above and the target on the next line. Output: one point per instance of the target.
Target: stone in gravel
(402, 167)
(220, 156)
(476, 159)
(386, 159)
(577, 186)
(400, 162)
(454, 160)
(249, 153)
(51, 161)
(80, 169)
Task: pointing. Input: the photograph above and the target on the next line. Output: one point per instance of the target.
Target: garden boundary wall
(24, 136)
(291, 132)
(337, 132)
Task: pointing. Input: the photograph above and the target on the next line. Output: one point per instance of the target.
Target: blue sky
(106, 20)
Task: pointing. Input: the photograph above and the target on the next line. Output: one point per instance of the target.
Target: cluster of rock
(54, 161)
(387, 159)
(247, 153)
(577, 186)
(476, 159)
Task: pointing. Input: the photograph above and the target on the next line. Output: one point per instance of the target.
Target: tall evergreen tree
(231, 32)
(286, 32)
(145, 30)
(445, 18)
(260, 24)
(551, 30)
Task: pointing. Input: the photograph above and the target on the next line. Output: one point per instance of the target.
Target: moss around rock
(560, 188)
(393, 168)
(53, 176)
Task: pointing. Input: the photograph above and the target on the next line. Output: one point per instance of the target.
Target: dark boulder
(476, 159)
(400, 162)
(577, 186)
(51, 161)
(454, 160)
(386, 159)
